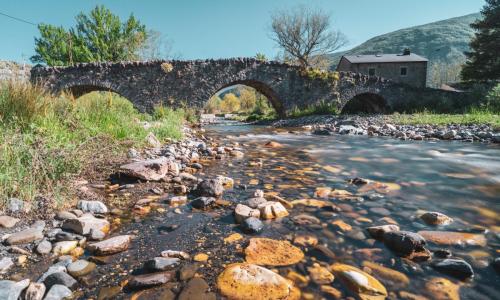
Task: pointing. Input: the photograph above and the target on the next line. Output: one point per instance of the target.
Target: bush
(46, 140)
(321, 108)
(493, 99)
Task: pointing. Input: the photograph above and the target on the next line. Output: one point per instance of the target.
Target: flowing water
(458, 179)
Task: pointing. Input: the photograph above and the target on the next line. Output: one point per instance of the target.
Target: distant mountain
(443, 41)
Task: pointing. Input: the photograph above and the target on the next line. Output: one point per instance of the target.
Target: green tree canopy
(98, 36)
(483, 62)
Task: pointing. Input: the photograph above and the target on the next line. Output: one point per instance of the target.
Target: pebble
(358, 282)
(454, 238)
(442, 289)
(200, 257)
(175, 254)
(161, 264)
(252, 225)
(35, 291)
(272, 210)
(243, 212)
(203, 202)
(255, 202)
(111, 246)
(80, 268)
(15, 205)
(149, 280)
(436, 218)
(457, 268)
(404, 243)
(65, 247)
(64, 215)
(95, 207)
(58, 292)
(5, 264)
(320, 275)
(377, 232)
(61, 278)
(8, 222)
(187, 271)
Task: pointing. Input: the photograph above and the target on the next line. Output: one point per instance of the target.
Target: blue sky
(223, 28)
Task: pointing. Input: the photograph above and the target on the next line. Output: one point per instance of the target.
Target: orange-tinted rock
(272, 210)
(311, 202)
(442, 289)
(363, 285)
(305, 240)
(263, 251)
(436, 218)
(341, 225)
(320, 275)
(454, 238)
(245, 281)
(387, 274)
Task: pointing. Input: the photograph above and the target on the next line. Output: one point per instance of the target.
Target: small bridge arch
(366, 103)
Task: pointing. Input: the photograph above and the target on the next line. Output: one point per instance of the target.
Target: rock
(436, 218)
(67, 236)
(133, 153)
(177, 200)
(64, 215)
(196, 288)
(320, 275)
(273, 144)
(15, 205)
(203, 202)
(95, 207)
(5, 264)
(85, 223)
(24, 237)
(341, 225)
(457, 268)
(149, 280)
(58, 292)
(151, 170)
(200, 257)
(243, 212)
(331, 291)
(35, 291)
(255, 202)
(225, 181)
(210, 188)
(188, 271)
(442, 289)
(96, 235)
(264, 251)
(496, 264)
(58, 267)
(377, 232)
(161, 264)
(111, 246)
(305, 219)
(454, 238)
(11, 290)
(389, 127)
(237, 153)
(245, 281)
(449, 134)
(61, 278)
(387, 275)
(65, 247)
(8, 222)
(272, 210)
(175, 254)
(152, 140)
(404, 243)
(252, 225)
(358, 282)
(80, 268)
(305, 240)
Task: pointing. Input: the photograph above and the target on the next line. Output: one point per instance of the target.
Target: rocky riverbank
(384, 126)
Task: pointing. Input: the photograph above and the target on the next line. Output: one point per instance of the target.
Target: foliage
(155, 47)
(230, 103)
(320, 108)
(440, 73)
(325, 75)
(46, 140)
(167, 67)
(483, 63)
(260, 56)
(241, 99)
(473, 116)
(493, 99)
(98, 36)
(305, 33)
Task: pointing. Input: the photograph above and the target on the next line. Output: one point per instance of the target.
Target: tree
(98, 36)
(156, 46)
(230, 103)
(304, 33)
(483, 62)
(247, 98)
(260, 56)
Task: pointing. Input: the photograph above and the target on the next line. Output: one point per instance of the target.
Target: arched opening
(246, 100)
(366, 103)
(79, 90)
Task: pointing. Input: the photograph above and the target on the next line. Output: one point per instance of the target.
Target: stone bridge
(192, 83)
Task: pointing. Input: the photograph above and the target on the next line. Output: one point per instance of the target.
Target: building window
(404, 71)
(371, 71)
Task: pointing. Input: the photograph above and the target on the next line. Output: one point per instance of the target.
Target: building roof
(384, 58)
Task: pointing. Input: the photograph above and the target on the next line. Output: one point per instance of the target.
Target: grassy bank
(46, 140)
(474, 116)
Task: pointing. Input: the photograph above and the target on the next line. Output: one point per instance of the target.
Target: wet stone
(377, 232)
(454, 238)
(242, 212)
(175, 254)
(187, 271)
(255, 202)
(196, 288)
(404, 243)
(272, 210)
(111, 246)
(161, 264)
(58, 292)
(109, 292)
(80, 268)
(436, 218)
(149, 280)
(61, 278)
(210, 188)
(203, 202)
(252, 225)
(442, 289)
(264, 251)
(457, 268)
(363, 285)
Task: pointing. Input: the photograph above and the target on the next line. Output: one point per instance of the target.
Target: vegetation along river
(406, 180)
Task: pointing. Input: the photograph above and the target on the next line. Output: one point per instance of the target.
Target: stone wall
(11, 71)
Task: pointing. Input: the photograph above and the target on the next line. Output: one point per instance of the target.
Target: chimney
(406, 51)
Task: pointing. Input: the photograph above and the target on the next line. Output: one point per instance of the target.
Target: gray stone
(8, 222)
(454, 267)
(24, 237)
(35, 291)
(64, 215)
(44, 247)
(203, 202)
(377, 232)
(58, 292)
(149, 280)
(80, 268)
(55, 268)
(404, 243)
(110, 246)
(67, 236)
(5, 264)
(252, 225)
(11, 290)
(151, 170)
(85, 223)
(15, 205)
(255, 202)
(95, 207)
(96, 235)
(161, 264)
(61, 278)
(210, 188)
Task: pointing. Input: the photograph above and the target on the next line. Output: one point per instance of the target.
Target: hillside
(443, 41)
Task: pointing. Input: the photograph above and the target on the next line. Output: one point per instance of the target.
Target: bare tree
(305, 34)
(157, 46)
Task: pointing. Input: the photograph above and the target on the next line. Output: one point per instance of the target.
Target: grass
(321, 108)
(474, 116)
(47, 140)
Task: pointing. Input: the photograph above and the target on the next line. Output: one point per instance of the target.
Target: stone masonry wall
(11, 71)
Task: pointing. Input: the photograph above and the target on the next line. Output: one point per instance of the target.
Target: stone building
(407, 68)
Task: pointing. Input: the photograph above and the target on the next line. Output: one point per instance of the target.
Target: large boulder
(152, 169)
(210, 188)
(86, 223)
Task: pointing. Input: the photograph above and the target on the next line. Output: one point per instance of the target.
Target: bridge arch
(80, 88)
(260, 87)
(366, 103)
